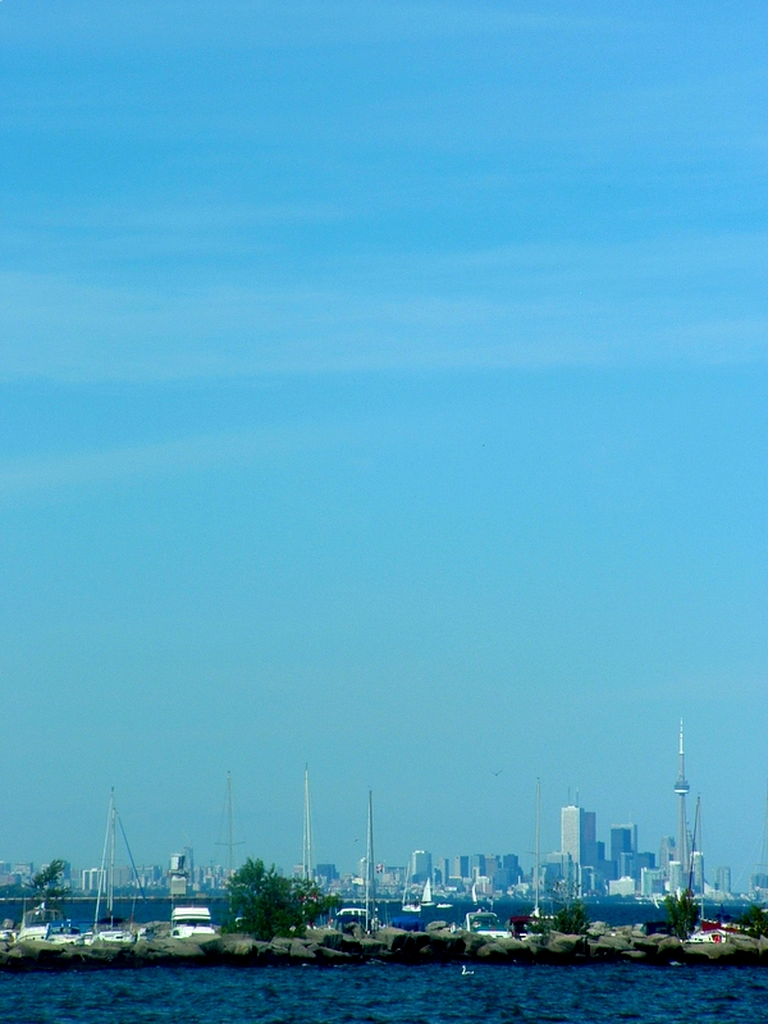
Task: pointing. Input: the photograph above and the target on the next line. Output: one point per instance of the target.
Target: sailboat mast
(307, 855)
(103, 868)
(370, 870)
(111, 876)
(694, 851)
(230, 844)
(537, 851)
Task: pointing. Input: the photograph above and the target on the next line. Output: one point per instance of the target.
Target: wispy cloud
(682, 300)
(244, 23)
(75, 470)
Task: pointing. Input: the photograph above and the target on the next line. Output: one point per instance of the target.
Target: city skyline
(579, 835)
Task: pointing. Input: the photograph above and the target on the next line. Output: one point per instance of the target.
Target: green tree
(754, 921)
(682, 914)
(266, 904)
(572, 919)
(47, 884)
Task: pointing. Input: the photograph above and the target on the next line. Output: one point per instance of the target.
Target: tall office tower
(571, 819)
(624, 849)
(723, 880)
(682, 789)
(461, 867)
(592, 852)
(477, 865)
(678, 880)
(623, 840)
(697, 871)
(571, 824)
(667, 852)
(445, 869)
(421, 866)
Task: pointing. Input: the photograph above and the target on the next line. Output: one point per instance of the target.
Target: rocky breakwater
(437, 944)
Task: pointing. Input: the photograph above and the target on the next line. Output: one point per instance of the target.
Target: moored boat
(48, 924)
(485, 922)
(192, 923)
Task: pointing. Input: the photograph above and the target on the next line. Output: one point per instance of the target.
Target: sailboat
(409, 906)
(109, 929)
(426, 896)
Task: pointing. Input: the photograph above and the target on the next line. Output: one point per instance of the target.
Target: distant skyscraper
(570, 832)
(682, 789)
(723, 880)
(461, 867)
(421, 866)
(578, 843)
(677, 882)
(477, 867)
(697, 871)
(623, 840)
(624, 850)
(667, 852)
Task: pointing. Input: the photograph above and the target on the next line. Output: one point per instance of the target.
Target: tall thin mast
(230, 844)
(761, 867)
(370, 870)
(537, 851)
(308, 867)
(697, 836)
(111, 876)
(110, 829)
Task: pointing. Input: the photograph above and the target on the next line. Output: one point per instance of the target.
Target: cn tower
(682, 788)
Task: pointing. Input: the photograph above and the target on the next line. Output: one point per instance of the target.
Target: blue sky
(382, 387)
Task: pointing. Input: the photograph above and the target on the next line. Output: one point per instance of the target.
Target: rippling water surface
(381, 994)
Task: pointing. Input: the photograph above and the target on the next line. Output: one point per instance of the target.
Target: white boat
(48, 924)
(426, 896)
(485, 922)
(349, 916)
(192, 923)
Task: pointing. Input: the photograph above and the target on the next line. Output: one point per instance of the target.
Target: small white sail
(426, 896)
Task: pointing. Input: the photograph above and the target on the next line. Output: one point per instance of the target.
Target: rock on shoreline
(329, 947)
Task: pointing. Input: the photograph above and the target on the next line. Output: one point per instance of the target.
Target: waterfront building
(92, 879)
(622, 886)
(651, 881)
(25, 870)
(177, 876)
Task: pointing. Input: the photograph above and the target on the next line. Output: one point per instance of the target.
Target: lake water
(384, 994)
